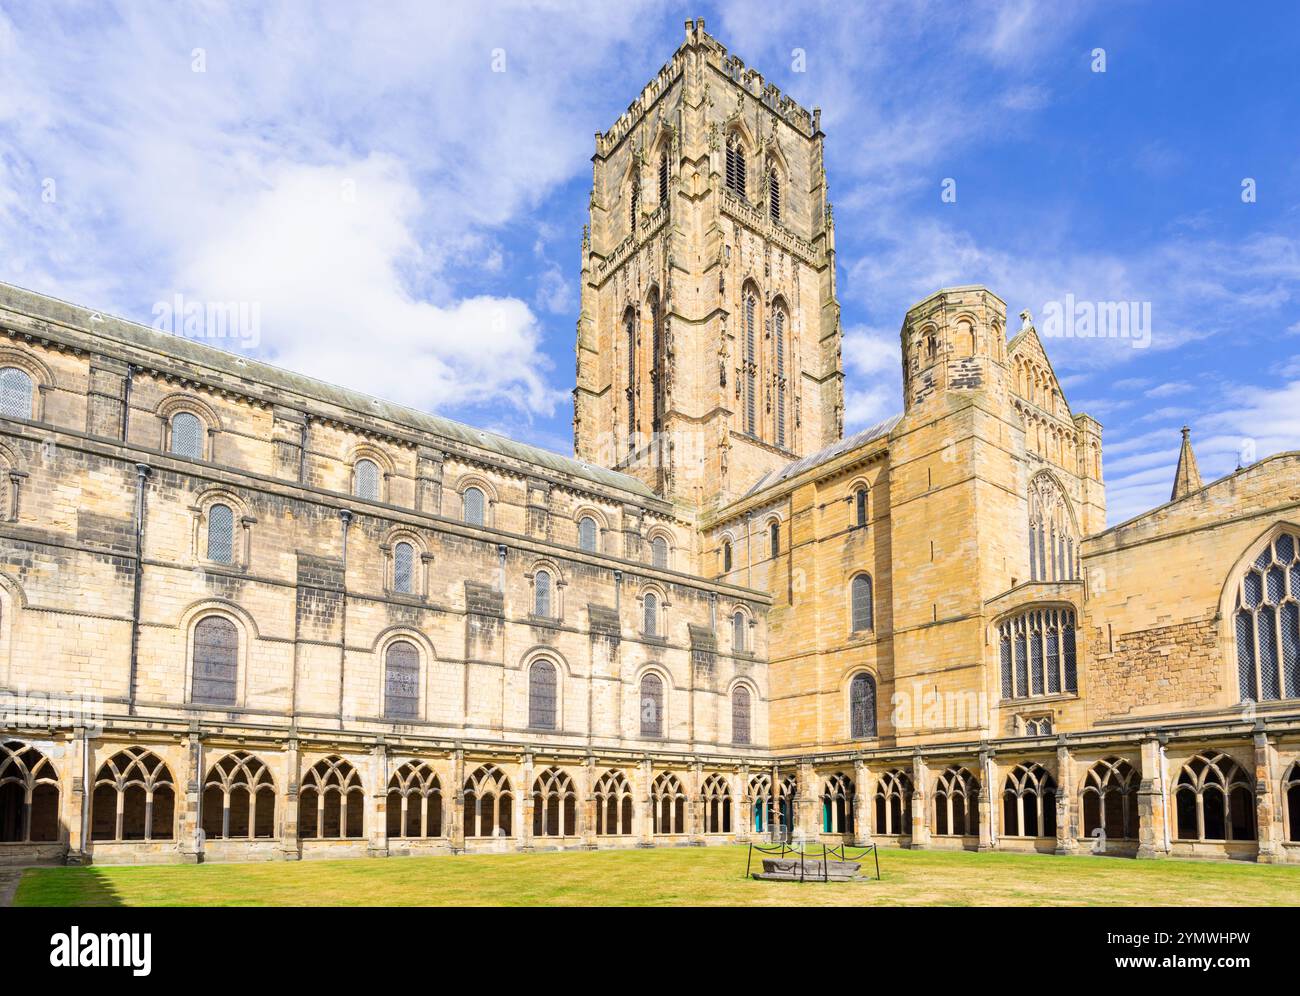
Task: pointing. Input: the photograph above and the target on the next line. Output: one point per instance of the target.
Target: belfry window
(663, 177)
(751, 362)
(1037, 653)
(735, 170)
(774, 195)
(1267, 623)
(778, 347)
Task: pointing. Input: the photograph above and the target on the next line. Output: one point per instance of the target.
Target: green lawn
(710, 876)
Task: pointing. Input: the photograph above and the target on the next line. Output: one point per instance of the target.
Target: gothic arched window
(629, 330)
(1037, 653)
(1267, 623)
(861, 603)
(663, 177)
(613, 804)
(1215, 800)
(29, 795)
(778, 347)
(488, 801)
(414, 802)
(1109, 797)
(401, 681)
(751, 362)
(221, 534)
(365, 480)
(1051, 532)
(239, 799)
(657, 384)
(542, 695)
(652, 706)
(837, 804)
(635, 201)
(555, 805)
(15, 393)
(668, 804)
(1029, 802)
(216, 661)
(404, 568)
(474, 504)
(187, 436)
(957, 804)
(715, 799)
(894, 804)
(740, 715)
(774, 194)
(735, 167)
(134, 798)
(862, 707)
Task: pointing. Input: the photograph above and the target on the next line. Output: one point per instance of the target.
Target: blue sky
(407, 221)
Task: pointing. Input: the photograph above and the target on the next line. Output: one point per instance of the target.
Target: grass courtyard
(710, 876)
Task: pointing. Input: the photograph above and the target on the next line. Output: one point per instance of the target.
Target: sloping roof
(256, 372)
(823, 456)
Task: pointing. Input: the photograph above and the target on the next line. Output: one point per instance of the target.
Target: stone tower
(708, 344)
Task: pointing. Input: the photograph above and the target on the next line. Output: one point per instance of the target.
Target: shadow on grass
(60, 886)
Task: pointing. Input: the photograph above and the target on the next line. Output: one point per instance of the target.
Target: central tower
(709, 336)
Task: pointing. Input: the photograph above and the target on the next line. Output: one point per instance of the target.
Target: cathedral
(247, 615)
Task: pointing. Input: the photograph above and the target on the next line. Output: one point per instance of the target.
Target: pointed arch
(414, 806)
(134, 798)
(555, 805)
(894, 803)
(1214, 799)
(487, 803)
(29, 795)
(1108, 798)
(613, 795)
(239, 799)
(838, 798)
(331, 801)
(715, 801)
(668, 804)
(1262, 599)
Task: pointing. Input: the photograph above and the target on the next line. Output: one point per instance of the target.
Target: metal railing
(810, 858)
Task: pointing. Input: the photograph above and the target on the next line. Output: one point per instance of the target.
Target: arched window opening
(650, 604)
(331, 802)
(860, 508)
(774, 539)
(837, 804)
(1267, 623)
(862, 707)
(738, 628)
(475, 506)
(715, 801)
(216, 661)
(659, 552)
(1109, 797)
(774, 195)
(15, 393)
(860, 596)
(1051, 532)
(652, 706)
(613, 797)
(587, 534)
(414, 807)
(404, 568)
(726, 556)
(1029, 802)
(488, 801)
(956, 804)
(1291, 795)
(894, 804)
(629, 332)
(1037, 650)
(221, 534)
(134, 798)
(668, 805)
(555, 805)
(542, 594)
(401, 681)
(657, 382)
(735, 167)
(239, 799)
(187, 436)
(740, 715)
(542, 689)
(365, 480)
(774, 817)
(29, 795)
(778, 347)
(1214, 799)
(751, 362)
(663, 177)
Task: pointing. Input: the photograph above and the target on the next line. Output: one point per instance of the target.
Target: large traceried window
(715, 801)
(29, 795)
(1215, 799)
(474, 505)
(239, 799)
(404, 568)
(837, 804)
(741, 715)
(15, 393)
(1029, 802)
(894, 804)
(216, 661)
(862, 707)
(1052, 544)
(957, 804)
(401, 681)
(332, 801)
(613, 797)
(555, 805)
(134, 798)
(652, 706)
(1109, 796)
(414, 802)
(365, 480)
(488, 803)
(542, 689)
(187, 436)
(221, 534)
(735, 168)
(1267, 623)
(861, 603)
(587, 534)
(668, 804)
(1037, 653)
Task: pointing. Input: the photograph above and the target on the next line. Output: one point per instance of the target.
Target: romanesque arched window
(404, 568)
(652, 706)
(542, 594)
(555, 805)
(1291, 801)
(860, 603)
(957, 804)
(239, 799)
(735, 166)
(487, 803)
(1215, 799)
(1037, 653)
(15, 393)
(1109, 798)
(659, 552)
(894, 804)
(414, 802)
(331, 802)
(187, 436)
(1029, 802)
(29, 795)
(134, 798)
(216, 662)
(401, 681)
(837, 804)
(474, 505)
(650, 605)
(738, 626)
(726, 556)
(587, 534)
(1052, 541)
(221, 534)
(779, 322)
(862, 707)
(751, 360)
(774, 194)
(741, 715)
(774, 539)
(365, 479)
(668, 804)
(860, 507)
(542, 695)
(1267, 623)
(613, 804)
(715, 801)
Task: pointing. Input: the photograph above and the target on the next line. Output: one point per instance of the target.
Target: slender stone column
(456, 818)
(920, 802)
(641, 787)
(378, 815)
(743, 818)
(78, 793)
(290, 847)
(189, 829)
(863, 790)
(1152, 842)
(524, 811)
(806, 815)
(988, 776)
(587, 811)
(695, 804)
(1067, 801)
(1268, 814)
